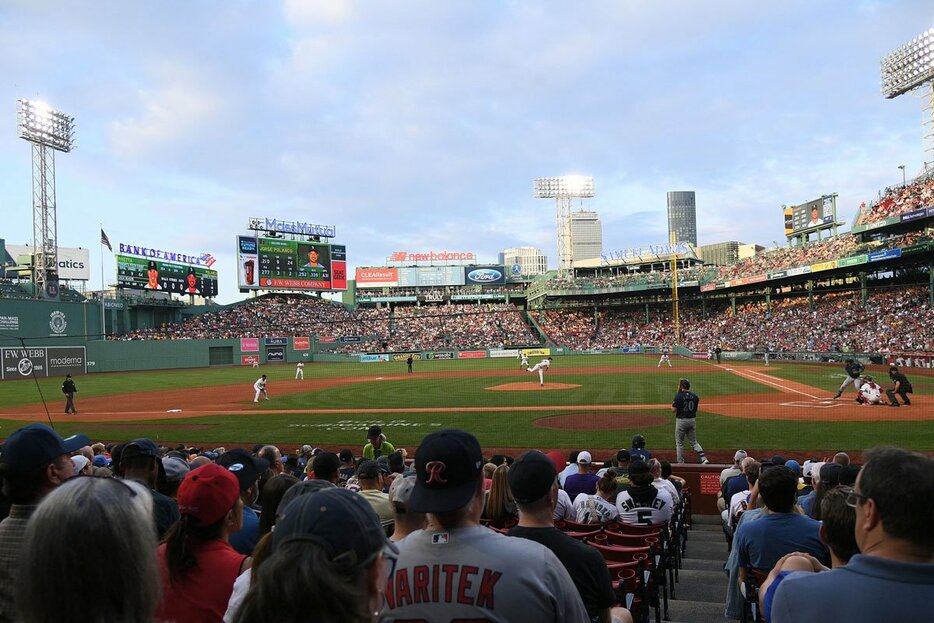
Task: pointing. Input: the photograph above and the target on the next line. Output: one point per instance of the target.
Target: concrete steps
(701, 587)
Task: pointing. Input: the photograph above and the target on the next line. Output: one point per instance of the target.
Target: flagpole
(103, 309)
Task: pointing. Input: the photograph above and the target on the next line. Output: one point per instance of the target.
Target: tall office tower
(586, 236)
(682, 216)
(531, 261)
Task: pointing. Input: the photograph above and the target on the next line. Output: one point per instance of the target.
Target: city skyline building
(682, 216)
(531, 261)
(586, 235)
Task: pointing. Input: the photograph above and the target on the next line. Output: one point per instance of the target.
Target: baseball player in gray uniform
(457, 569)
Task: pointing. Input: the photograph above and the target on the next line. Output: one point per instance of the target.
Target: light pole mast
(49, 131)
(564, 190)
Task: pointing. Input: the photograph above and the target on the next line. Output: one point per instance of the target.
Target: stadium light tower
(49, 131)
(911, 67)
(564, 189)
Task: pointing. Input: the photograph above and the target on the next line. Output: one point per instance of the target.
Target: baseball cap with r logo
(448, 466)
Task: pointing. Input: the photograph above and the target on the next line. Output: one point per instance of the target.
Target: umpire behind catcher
(685, 407)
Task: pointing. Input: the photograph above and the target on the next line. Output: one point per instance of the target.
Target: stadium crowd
(380, 329)
(136, 532)
(894, 320)
(897, 200)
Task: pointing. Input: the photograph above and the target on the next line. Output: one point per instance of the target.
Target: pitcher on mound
(540, 367)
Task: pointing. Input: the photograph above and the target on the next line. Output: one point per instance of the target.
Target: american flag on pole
(106, 241)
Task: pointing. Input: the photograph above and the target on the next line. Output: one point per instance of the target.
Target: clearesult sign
(20, 363)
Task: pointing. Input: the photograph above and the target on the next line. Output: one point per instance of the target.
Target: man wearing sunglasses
(892, 578)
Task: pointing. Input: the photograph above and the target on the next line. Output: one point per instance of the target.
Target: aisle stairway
(700, 592)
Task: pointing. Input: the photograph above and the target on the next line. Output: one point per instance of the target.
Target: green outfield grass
(387, 386)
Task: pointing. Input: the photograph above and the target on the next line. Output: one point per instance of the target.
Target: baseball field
(594, 402)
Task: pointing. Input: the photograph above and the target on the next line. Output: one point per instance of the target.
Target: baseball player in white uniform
(523, 360)
(540, 367)
(300, 370)
(255, 362)
(869, 392)
(260, 387)
(664, 358)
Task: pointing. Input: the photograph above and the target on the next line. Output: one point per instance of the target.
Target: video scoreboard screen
(279, 264)
(816, 214)
(140, 273)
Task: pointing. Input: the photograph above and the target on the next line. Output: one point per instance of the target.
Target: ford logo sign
(484, 275)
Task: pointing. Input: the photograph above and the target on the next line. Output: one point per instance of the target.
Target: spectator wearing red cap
(197, 565)
(34, 462)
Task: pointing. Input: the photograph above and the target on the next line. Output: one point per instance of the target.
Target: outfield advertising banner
(275, 353)
(249, 360)
(249, 344)
(914, 215)
(472, 354)
(276, 341)
(537, 352)
(19, 363)
(72, 263)
(301, 343)
(441, 355)
(405, 356)
(140, 273)
(484, 275)
(500, 353)
(373, 358)
(377, 277)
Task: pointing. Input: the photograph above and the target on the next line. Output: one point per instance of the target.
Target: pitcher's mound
(530, 387)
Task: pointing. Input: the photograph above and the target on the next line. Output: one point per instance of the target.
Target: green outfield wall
(61, 324)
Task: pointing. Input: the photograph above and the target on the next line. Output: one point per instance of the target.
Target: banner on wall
(249, 344)
(249, 360)
(275, 353)
(301, 343)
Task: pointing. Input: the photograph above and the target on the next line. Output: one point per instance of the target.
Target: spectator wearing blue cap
(141, 461)
(35, 460)
(248, 469)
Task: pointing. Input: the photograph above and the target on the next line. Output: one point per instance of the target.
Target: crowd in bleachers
(897, 200)
(183, 534)
(894, 320)
(428, 327)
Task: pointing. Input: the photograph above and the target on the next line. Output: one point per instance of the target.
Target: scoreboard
(279, 264)
(140, 273)
(814, 215)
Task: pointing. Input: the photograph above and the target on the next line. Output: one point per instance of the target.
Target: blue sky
(420, 125)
